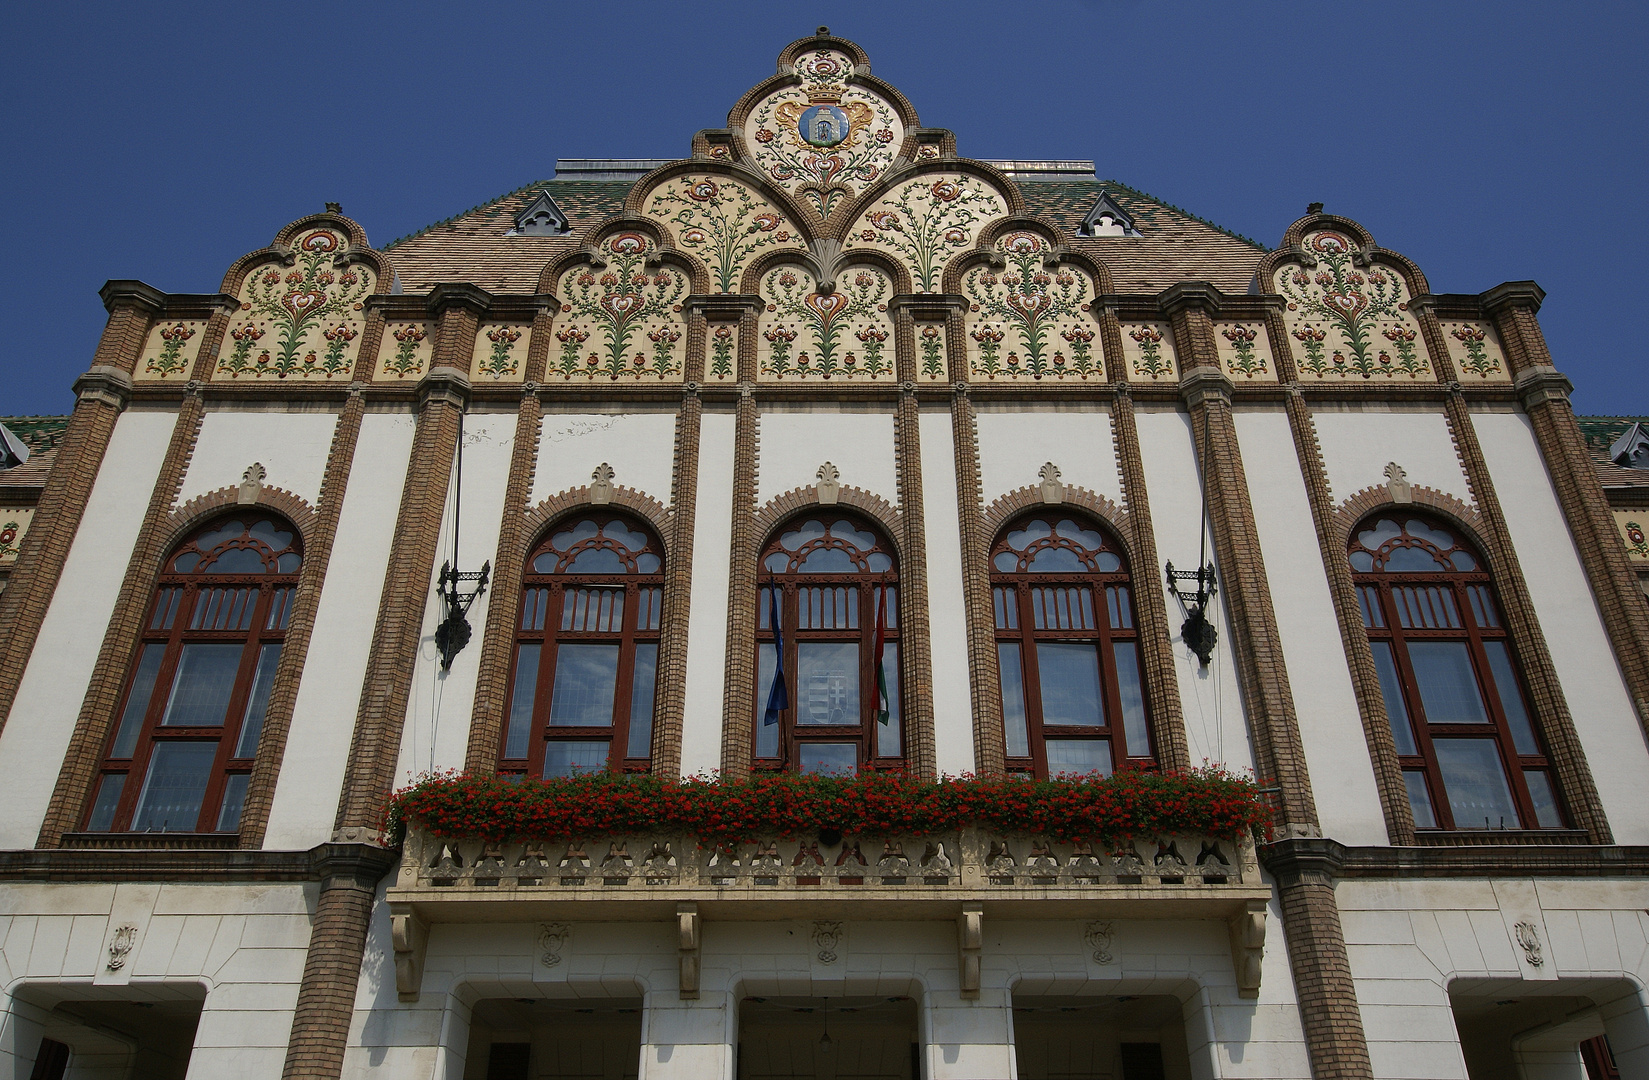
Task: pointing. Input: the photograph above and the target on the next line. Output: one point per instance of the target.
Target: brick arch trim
(194, 513)
(797, 501)
(1013, 503)
(1372, 500)
(577, 500)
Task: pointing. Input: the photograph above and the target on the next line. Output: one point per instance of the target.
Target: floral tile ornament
(1028, 321)
(621, 322)
(170, 351)
(299, 322)
(500, 352)
(14, 522)
(1476, 351)
(1245, 352)
(1632, 524)
(1349, 321)
(927, 221)
(844, 335)
(719, 221)
(405, 351)
(824, 140)
(1148, 350)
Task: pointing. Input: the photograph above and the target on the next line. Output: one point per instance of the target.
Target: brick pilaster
(989, 749)
(915, 646)
(738, 702)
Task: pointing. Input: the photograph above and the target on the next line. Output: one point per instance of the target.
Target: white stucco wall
(707, 618)
(1358, 444)
(1014, 444)
(947, 613)
(794, 444)
(1580, 649)
(640, 446)
(436, 735)
(1337, 755)
(291, 446)
(1211, 696)
(323, 717)
(53, 687)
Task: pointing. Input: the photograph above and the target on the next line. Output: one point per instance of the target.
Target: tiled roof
(1600, 432)
(1174, 246)
(40, 434)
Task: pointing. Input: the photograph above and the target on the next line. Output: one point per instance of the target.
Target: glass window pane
(835, 759)
(1069, 684)
(563, 758)
(641, 702)
(1078, 757)
(143, 687)
(1478, 795)
(1448, 689)
(827, 682)
(521, 701)
(586, 681)
(1419, 799)
(1134, 725)
(108, 800)
(251, 728)
(1511, 697)
(888, 743)
(234, 799)
(1013, 699)
(175, 787)
(1397, 714)
(767, 735)
(1544, 798)
(200, 690)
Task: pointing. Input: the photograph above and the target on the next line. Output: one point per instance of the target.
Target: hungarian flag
(778, 699)
(882, 708)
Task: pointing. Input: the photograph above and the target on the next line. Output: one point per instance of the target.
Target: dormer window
(542, 217)
(1106, 218)
(13, 450)
(1630, 451)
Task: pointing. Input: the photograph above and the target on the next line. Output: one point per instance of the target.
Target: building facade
(818, 402)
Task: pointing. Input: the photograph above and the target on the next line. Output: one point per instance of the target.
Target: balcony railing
(967, 875)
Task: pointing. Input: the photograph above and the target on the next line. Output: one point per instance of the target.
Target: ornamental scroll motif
(825, 139)
(721, 222)
(299, 322)
(844, 336)
(1349, 321)
(926, 222)
(1029, 321)
(621, 321)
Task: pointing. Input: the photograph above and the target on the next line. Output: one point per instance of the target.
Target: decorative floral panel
(14, 522)
(802, 334)
(1632, 524)
(1245, 352)
(824, 140)
(622, 321)
(1350, 322)
(1030, 322)
(500, 352)
(926, 222)
(1148, 350)
(302, 321)
(169, 354)
(405, 350)
(1476, 352)
(721, 222)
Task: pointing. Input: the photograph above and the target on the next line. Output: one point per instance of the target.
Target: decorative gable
(542, 217)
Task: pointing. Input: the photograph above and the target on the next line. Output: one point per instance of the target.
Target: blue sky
(1488, 142)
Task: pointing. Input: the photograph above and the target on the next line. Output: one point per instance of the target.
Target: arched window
(836, 708)
(181, 754)
(1469, 753)
(586, 650)
(1073, 701)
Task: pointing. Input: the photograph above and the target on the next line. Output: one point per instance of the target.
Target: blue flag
(778, 699)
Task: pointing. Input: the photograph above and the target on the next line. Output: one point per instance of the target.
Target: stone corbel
(688, 927)
(1247, 929)
(970, 940)
(410, 935)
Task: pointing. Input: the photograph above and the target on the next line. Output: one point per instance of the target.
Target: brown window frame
(1014, 602)
(169, 625)
(1477, 610)
(541, 613)
(868, 588)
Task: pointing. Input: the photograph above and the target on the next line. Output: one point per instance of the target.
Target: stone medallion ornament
(824, 126)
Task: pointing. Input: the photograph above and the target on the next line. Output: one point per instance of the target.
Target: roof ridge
(1181, 210)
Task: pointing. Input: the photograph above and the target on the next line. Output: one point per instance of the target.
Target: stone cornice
(1190, 294)
(1541, 384)
(723, 304)
(928, 305)
(448, 384)
(107, 384)
(459, 294)
(1314, 858)
(1515, 293)
(356, 862)
(126, 293)
(1202, 384)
